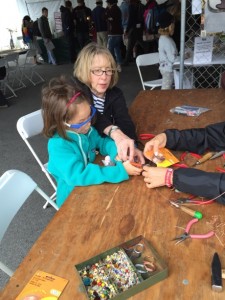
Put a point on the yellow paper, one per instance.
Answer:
(43, 286)
(163, 159)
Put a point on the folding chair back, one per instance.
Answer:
(14, 75)
(29, 126)
(3, 82)
(144, 60)
(15, 188)
(28, 68)
(12, 59)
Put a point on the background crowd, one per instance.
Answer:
(125, 29)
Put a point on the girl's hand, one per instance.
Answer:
(159, 141)
(154, 177)
(131, 170)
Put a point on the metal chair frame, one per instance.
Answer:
(13, 72)
(29, 126)
(3, 82)
(28, 68)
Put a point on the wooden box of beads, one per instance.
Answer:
(122, 271)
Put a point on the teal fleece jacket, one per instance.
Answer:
(71, 162)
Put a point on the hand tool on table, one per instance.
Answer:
(217, 154)
(216, 277)
(190, 200)
(204, 158)
(146, 136)
(195, 214)
(223, 273)
(186, 234)
(139, 165)
(221, 170)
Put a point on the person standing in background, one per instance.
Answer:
(28, 36)
(167, 49)
(46, 34)
(69, 28)
(124, 7)
(135, 28)
(82, 18)
(99, 19)
(174, 8)
(115, 31)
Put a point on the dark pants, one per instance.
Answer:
(72, 47)
(83, 39)
(135, 36)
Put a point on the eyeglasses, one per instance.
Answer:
(78, 126)
(100, 72)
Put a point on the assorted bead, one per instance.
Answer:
(109, 277)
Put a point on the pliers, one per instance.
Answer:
(186, 234)
(146, 136)
(191, 201)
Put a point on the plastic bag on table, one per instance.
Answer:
(188, 110)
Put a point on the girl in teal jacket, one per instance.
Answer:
(73, 142)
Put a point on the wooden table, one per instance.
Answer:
(96, 218)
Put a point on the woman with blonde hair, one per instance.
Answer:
(96, 73)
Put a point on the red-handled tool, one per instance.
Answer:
(186, 234)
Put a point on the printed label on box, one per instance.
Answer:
(43, 286)
(164, 158)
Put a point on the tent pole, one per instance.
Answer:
(27, 8)
(182, 42)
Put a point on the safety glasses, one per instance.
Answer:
(79, 125)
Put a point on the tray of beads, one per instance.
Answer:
(122, 271)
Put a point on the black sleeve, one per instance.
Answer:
(197, 140)
(200, 183)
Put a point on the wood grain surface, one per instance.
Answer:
(96, 218)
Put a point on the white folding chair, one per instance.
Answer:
(13, 73)
(29, 126)
(28, 68)
(15, 188)
(144, 60)
(3, 82)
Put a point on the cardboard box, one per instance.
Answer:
(134, 258)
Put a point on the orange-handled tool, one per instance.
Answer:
(204, 158)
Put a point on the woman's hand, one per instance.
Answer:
(159, 141)
(126, 148)
(154, 177)
(131, 170)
